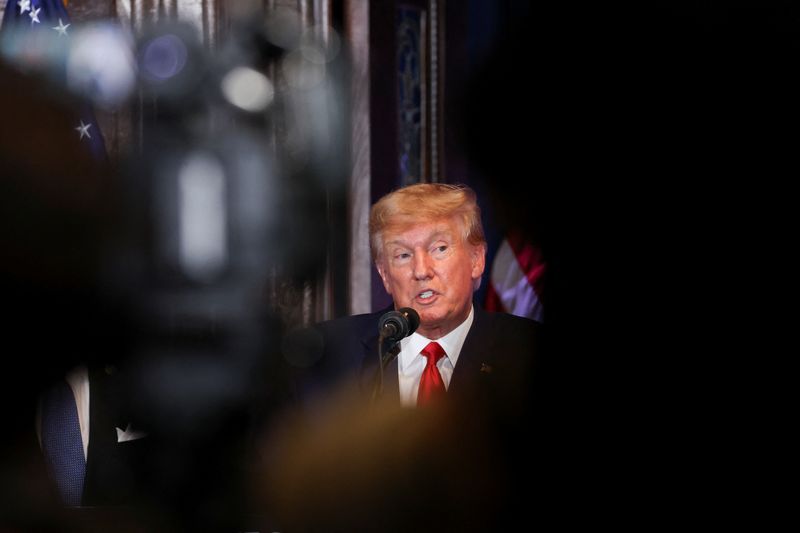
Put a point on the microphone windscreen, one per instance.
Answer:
(413, 319)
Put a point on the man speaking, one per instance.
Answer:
(429, 248)
(436, 434)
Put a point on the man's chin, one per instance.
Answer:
(430, 321)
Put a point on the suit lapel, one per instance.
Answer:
(475, 356)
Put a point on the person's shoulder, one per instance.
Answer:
(360, 322)
(507, 321)
(330, 345)
(516, 320)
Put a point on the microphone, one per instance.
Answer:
(393, 326)
(396, 325)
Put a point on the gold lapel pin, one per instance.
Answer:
(486, 368)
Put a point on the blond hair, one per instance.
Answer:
(423, 202)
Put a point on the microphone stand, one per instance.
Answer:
(394, 325)
(383, 360)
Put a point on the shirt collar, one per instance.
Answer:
(411, 346)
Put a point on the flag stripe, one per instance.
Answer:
(511, 285)
(493, 302)
(529, 258)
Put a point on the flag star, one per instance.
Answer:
(24, 5)
(61, 28)
(83, 129)
(34, 15)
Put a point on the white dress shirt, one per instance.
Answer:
(411, 362)
(78, 380)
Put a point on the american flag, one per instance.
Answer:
(35, 35)
(516, 278)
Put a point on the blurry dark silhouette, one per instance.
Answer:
(220, 209)
(155, 274)
(58, 214)
(638, 148)
(61, 212)
(386, 468)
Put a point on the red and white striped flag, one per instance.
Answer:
(515, 279)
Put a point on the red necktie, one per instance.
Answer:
(431, 385)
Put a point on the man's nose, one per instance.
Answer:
(422, 266)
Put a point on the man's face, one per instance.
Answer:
(430, 268)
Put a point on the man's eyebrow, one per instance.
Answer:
(445, 234)
(434, 237)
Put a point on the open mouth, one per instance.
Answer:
(425, 295)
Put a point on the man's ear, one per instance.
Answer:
(478, 260)
(382, 273)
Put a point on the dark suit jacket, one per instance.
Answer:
(496, 363)
(482, 426)
(113, 468)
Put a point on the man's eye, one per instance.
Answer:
(403, 255)
(441, 248)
